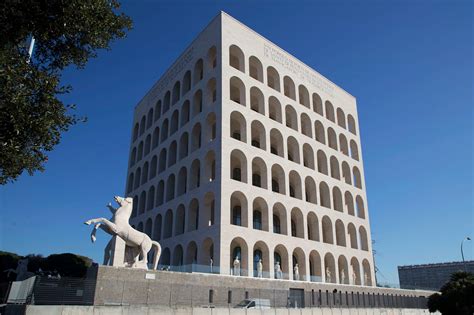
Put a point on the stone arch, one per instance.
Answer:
(329, 265)
(207, 252)
(343, 270)
(260, 214)
(360, 207)
(237, 91)
(289, 88)
(174, 124)
(212, 57)
(147, 145)
(279, 219)
(196, 137)
(170, 186)
(180, 220)
(186, 82)
(330, 111)
(172, 153)
(293, 150)
(303, 96)
(197, 104)
(299, 258)
(315, 273)
(276, 143)
(340, 233)
(367, 272)
(151, 199)
(291, 117)
(239, 209)
(258, 135)
(168, 226)
(351, 231)
(185, 109)
(164, 130)
(239, 249)
(257, 100)
(349, 201)
(313, 226)
(238, 126)
(238, 166)
(332, 139)
(236, 58)
(183, 146)
(141, 207)
(198, 73)
(255, 68)
(273, 78)
(346, 173)
(260, 251)
(176, 93)
(317, 104)
(160, 193)
(158, 110)
(295, 188)
(211, 91)
(157, 227)
(322, 162)
(327, 230)
(278, 179)
(182, 181)
(364, 243)
(166, 102)
(310, 190)
(324, 195)
(308, 156)
(210, 167)
(297, 223)
(306, 126)
(165, 258)
(209, 212)
(259, 173)
(341, 118)
(193, 215)
(354, 150)
(335, 172)
(191, 254)
(319, 132)
(178, 259)
(357, 177)
(343, 144)
(355, 272)
(156, 137)
(280, 254)
(195, 175)
(274, 109)
(337, 199)
(351, 124)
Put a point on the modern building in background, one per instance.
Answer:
(430, 276)
(242, 151)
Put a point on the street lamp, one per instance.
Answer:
(462, 253)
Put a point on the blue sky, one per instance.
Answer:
(409, 64)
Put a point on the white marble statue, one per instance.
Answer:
(296, 271)
(328, 275)
(354, 276)
(236, 266)
(211, 264)
(366, 278)
(343, 276)
(260, 269)
(21, 270)
(278, 273)
(138, 244)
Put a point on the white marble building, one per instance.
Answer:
(240, 149)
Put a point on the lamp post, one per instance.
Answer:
(462, 253)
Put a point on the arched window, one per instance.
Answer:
(291, 118)
(276, 143)
(367, 273)
(138, 173)
(182, 181)
(364, 244)
(211, 127)
(212, 57)
(174, 122)
(130, 183)
(210, 167)
(351, 231)
(186, 82)
(279, 219)
(142, 125)
(308, 156)
(209, 214)
(140, 151)
(341, 118)
(324, 195)
(239, 208)
(295, 185)
(322, 162)
(211, 91)
(178, 256)
(238, 127)
(176, 92)
(157, 228)
(327, 230)
(238, 166)
(304, 96)
(330, 111)
(340, 233)
(197, 103)
(183, 146)
(319, 131)
(360, 207)
(357, 178)
(195, 175)
(310, 190)
(337, 199)
(315, 266)
(158, 110)
(343, 144)
(160, 193)
(351, 124)
(255, 68)
(170, 185)
(343, 270)
(164, 130)
(349, 201)
(166, 102)
(198, 72)
(141, 207)
(289, 87)
(145, 173)
(332, 139)
(306, 127)
(346, 173)
(149, 118)
(317, 104)
(156, 137)
(259, 173)
(313, 227)
(293, 150)
(162, 161)
(185, 113)
(151, 199)
(237, 91)
(274, 109)
(354, 150)
(135, 132)
(193, 217)
(334, 168)
(257, 220)
(278, 179)
(133, 157)
(236, 58)
(196, 137)
(179, 221)
(273, 78)
(257, 101)
(258, 135)
(297, 223)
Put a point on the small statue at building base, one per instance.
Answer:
(328, 275)
(278, 273)
(138, 244)
(260, 269)
(236, 266)
(343, 276)
(296, 271)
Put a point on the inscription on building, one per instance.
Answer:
(297, 69)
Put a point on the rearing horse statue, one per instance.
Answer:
(118, 225)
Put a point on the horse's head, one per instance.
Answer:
(123, 202)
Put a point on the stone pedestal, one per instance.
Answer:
(117, 255)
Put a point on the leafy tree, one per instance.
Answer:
(457, 296)
(67, 32)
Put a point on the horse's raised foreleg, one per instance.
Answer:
(109, 225)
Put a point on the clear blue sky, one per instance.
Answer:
(409, 63)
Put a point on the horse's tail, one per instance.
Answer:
(157, 255)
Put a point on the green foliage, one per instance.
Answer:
(67, 32)
(457, 296)
(66, 264)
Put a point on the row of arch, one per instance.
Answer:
(312, 266)
(290, 183)
(170, 126)
(185, 218)
(176, 151)
(279, 220)
(308, 128)
(292, 150)
(185, 180)
(237, 60)
(180, 89)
